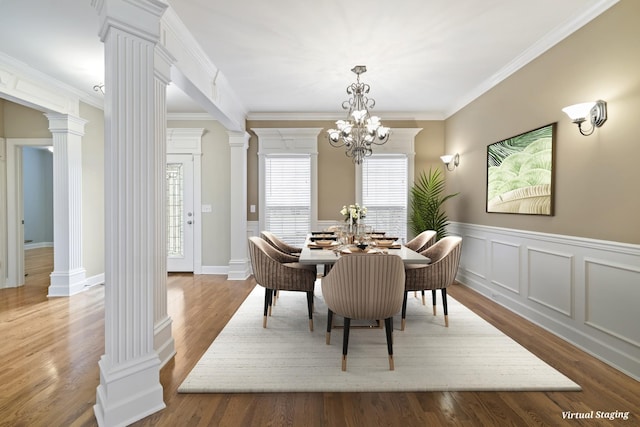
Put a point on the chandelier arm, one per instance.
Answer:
(381, 141)
(337, 144)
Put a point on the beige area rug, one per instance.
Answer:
(468, 355)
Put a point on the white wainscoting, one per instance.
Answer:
(583, 290)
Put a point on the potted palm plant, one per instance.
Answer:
(427, 199)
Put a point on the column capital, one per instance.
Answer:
(239, 139)
(136, 17)
(66, 123)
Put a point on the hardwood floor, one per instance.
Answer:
(51, 347)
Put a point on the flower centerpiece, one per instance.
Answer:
(353, 213)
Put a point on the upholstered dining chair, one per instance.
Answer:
(277, 271)
(422, 241)
(439, 274)
(280, 244)
(367, 287)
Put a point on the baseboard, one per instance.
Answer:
(37, 245)
(98, 279)
(214, 269)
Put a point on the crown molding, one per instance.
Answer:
(23, 84)
(541, 46)
(385, 116)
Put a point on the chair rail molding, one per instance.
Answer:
(583, 290)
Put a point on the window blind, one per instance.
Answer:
(288, 197)
(384, 193)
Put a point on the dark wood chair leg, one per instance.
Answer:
(444, 307)
(404, 310)
(310, 309)
(388, 326)
(345, 342)
(327, 269)
(433, 300)
(267, 304)
(422, 293)
(329, 325)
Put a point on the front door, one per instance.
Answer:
(180, 213)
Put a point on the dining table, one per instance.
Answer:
(317, 251)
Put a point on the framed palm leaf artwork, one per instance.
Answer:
(520, 173)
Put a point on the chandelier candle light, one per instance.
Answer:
(360, 130)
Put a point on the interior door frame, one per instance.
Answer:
(15, 214)
(189, 141)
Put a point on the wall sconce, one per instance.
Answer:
(449, 158)
(596, 112)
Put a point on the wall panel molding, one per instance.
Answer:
(505, 265)
(604, 309)
(582, 290)
(474, 256)
(550, 279)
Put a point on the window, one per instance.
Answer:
(287, 193)
(384, 193)
(288, 165)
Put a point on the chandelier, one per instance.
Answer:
(360, 130)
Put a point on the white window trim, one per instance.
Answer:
(283, 141)
(401, 141)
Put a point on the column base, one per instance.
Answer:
(67, 283)
(129, 392)
(163, 341)
(239, 269)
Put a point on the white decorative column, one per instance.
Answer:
(68, 276)
(163, 340)
(239, 268)
(130, 386)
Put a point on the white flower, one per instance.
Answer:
(353, 212)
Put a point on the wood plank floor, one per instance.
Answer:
(51, 347)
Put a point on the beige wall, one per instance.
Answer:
(24, 122)
(336, 172)
(216, 184)
(93, 190)
(596, 176)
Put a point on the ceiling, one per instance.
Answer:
(425, 60)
